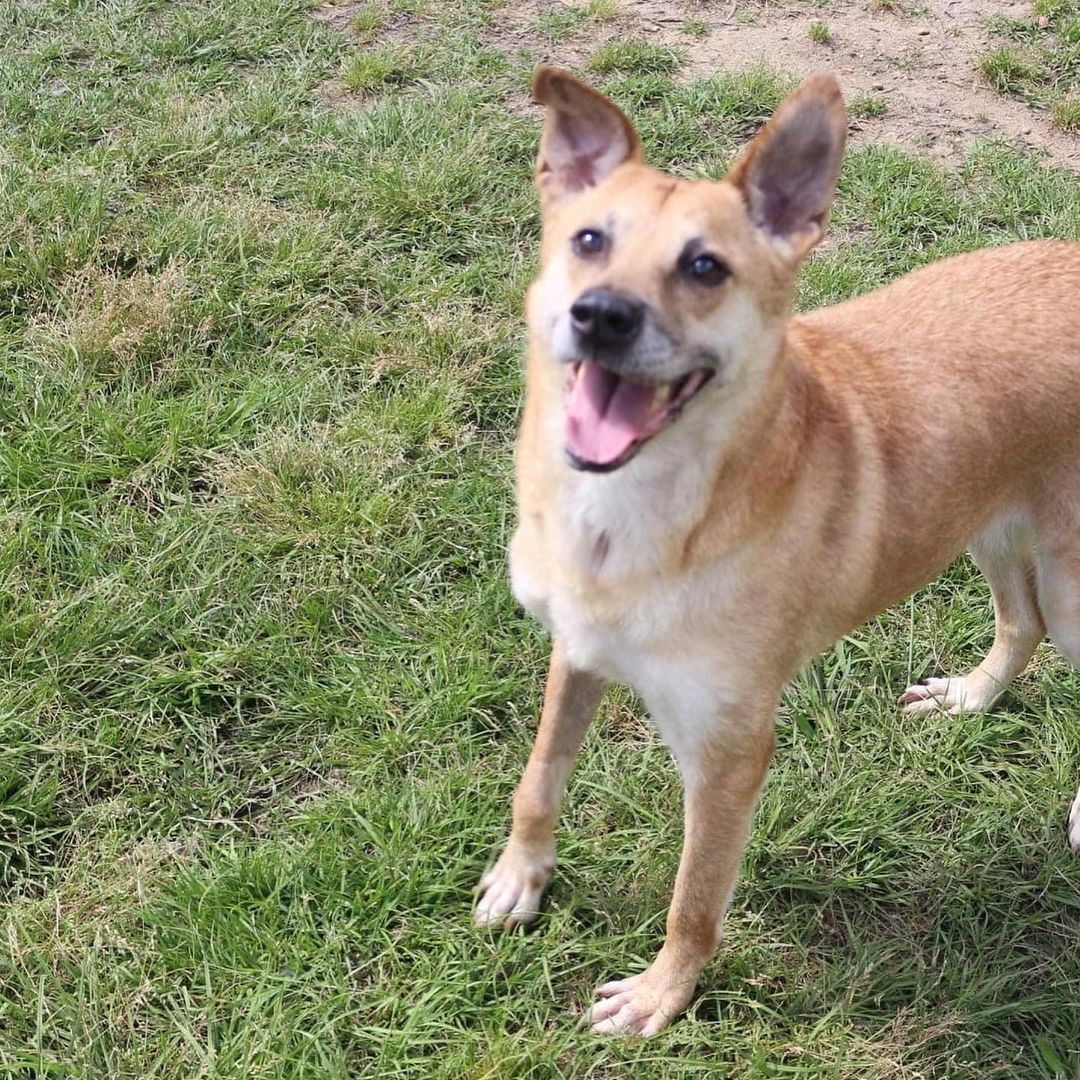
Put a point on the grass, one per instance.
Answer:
(367, 22)
(819, 33)
(1039, 60)
(602, 10)
(368, 69)
(1008, 69)
(265, 691)
(636, 57)
(560, 22)
(867, 106)
(1066, 113)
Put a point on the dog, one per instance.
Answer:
(711, 491)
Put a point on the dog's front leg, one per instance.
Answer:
(722, 774)
(514, 885)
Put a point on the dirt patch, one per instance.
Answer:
(920, 60)
(924, 67)
(338, 16)
(391, 25)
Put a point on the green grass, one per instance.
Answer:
(1009, 69)
(265, 691)
(602, 10)
(557, 22)
(367, 22)
(1040, 59)
(368, 69)
(637, 57)
(867, 106)
(819, 33)
(1066, 113)
(560, 22)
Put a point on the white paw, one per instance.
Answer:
(512, 888)
(944, 695)
(1074, 825)
(641, 1005)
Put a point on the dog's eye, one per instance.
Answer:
(589, 242)
(706, 270)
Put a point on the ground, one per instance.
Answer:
(918, 60)
(265, 691)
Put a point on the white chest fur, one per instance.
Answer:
(597, 569)
(601, 581)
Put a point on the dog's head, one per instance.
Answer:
(658, 294)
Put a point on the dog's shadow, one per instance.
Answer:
(971, 955)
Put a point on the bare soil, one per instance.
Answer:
(922, 61)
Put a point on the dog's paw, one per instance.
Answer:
(512, 888)
(955, 695)
(641, 1005)
(1074, 825)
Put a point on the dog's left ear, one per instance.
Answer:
(586, 137)
(788, 174)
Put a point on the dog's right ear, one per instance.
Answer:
(586, 137)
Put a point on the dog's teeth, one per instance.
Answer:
(660, 395)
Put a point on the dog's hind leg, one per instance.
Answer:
(1058, 578)
(513, 887)
(1004, 553)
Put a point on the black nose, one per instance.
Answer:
(606, 319)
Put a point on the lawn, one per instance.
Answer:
(1040, 61)
(266, 693)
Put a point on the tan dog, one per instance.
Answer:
(711, 492)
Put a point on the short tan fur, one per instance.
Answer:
(821, 468)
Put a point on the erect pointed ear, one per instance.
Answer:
(585, 139)
(787, 175)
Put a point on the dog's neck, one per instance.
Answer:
(749, 473)
(698, 493)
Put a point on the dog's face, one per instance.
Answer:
(656, 294)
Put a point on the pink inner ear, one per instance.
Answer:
(790, 180)
(582, 150)
(794, 192)
(794, 178)
(584, 145)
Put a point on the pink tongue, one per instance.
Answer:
(606, 414)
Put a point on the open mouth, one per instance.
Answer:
(610, 417)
